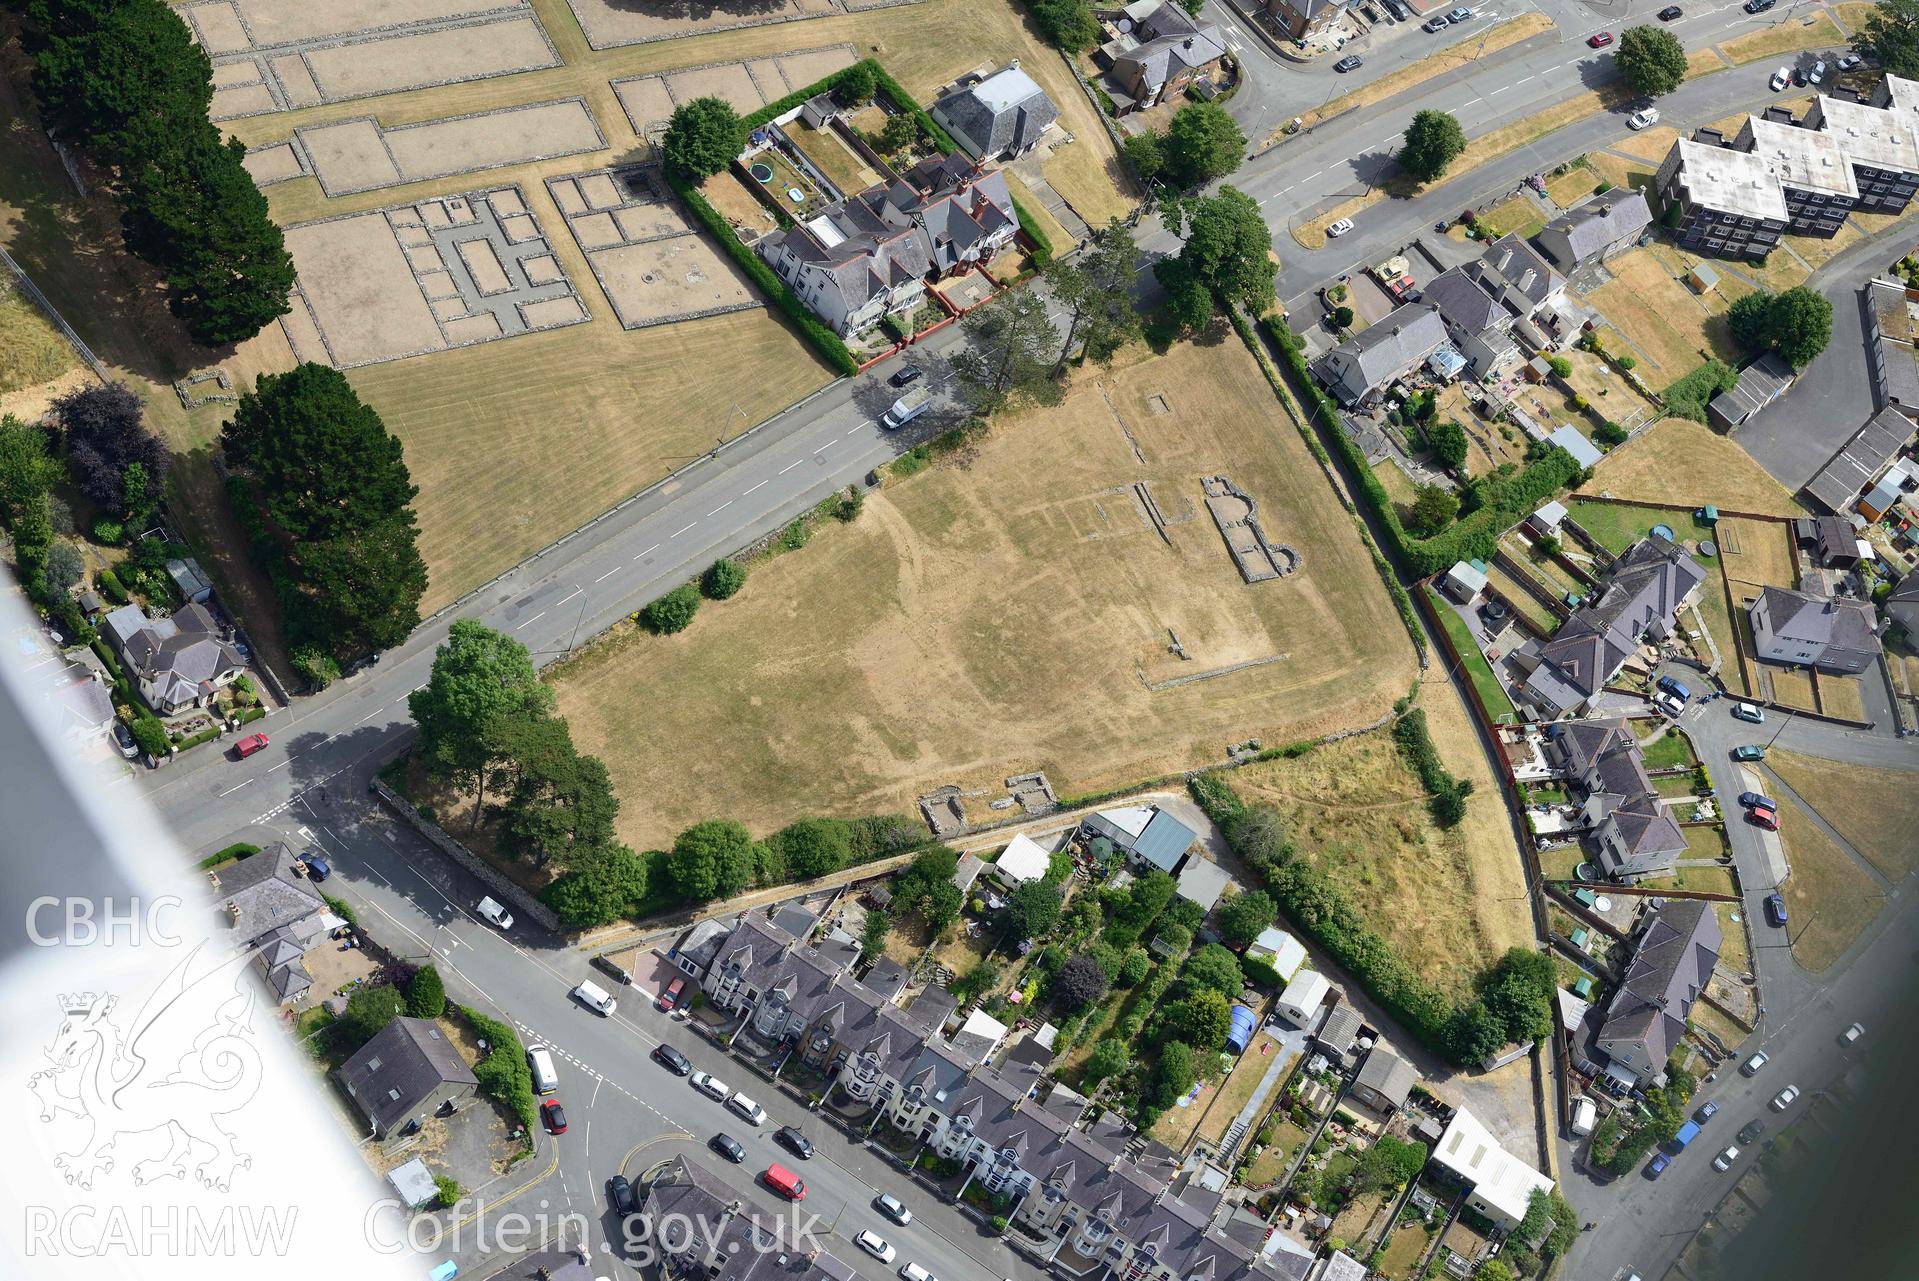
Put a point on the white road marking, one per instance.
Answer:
(236, 787)
(761, 485)
(608, 574)
(649, 551)
(577, 591)
(536, 618)
(790, 466)
(281, 765)
(683, 528)
(823, 448)
(722, 507)
(370, 715)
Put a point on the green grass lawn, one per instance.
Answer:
(1617, 526)
(1675, 787)
(1670, 751)
(1559, 864)
(1491, 692)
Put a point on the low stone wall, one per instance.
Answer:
(497, 883)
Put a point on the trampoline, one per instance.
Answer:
(761, 171)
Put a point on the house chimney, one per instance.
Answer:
(233, 912)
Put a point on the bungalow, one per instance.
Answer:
(176, 662)
(1826, 632)
(1303, 997)
(406, 1073)
(1022, 861)
(1385, 1080)
(1146, 833)
(1597, 229)
(999, 117)
(870, 255)
(1359, 370)
(1647, 1016)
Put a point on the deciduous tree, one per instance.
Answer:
(601, 886)
(27, 468)
(1203, 143)
(702, 137)
(710, 860)
(1890, 37)
(1434, 508)
(722, 580)
(1651, 59)
(1227, 257)
(1433, 141)
(1096, 289)
(814, 846)
(1080, 983)
(1244, 915)
(480, 678)
(1011, 351)
(1212, 968)
(1108, 1059)
(1030, 911)
(1201, 1020)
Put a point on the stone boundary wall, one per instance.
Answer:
(512, 894)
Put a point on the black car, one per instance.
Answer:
(1671, 13)
(797, 1142)
(672, 1060)
(1751, 1131)
(907, 374)
(1351, 62)
(729, 1147)
(1799, 77)
(1759, 6)
(619, 1193)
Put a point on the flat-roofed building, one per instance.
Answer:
(1882, 144)
(1813, 172)
(1721, 202)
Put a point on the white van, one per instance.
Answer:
(1585, 1116)
(748, 1109)
(907, 408)
(540, 1060)
(595, 998)
(492, 911)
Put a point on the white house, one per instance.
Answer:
(1280, 950)
(1303, 997)
(1500, 1184)
(1022, 861)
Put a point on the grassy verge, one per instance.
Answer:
(1816, 32)
(1502, 36)
(1876, 810)
(1478, 670)
(1829, 899)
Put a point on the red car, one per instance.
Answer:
(670, 999)
(249, 745)
(1763, 818)
(1600, 40)
(553, 1116)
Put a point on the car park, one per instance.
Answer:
(1757, 800)
(1671, 13)
(907, 374)
(1752, 1065)
(795, 1142)
(1749, 712)
(553, 1117)
(1705, 1112)
(1724, 1160)
(619, 1195)
(1749, 752)
(249, 745)
(1852, 1034)
(1818, 73)
(1439, 23)
(1781, 78)
(672, 1060)
(1759, 816)
(747, 1110)
(1351, 62)
(1657, 1166)
(670, 999)
(1785, 1098)
(491, 910)
(1339, 228)
(1776, 910)
(1599, 39)
(711, 1086)
(875, 1244)
(893, 1208)
(729, 1147)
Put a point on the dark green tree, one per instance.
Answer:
(1147, 898)
(1134, 968)
(1890, 37)
(873, 934)
(898, 133)
(1068, 24)
(1080, 983)
(814, 846)
(1433, 141)
(858, 83)
(1108, 1059)
(480, 679)
(1797, 323)
(1146, 153)
(1171, 1077)
(1203, 143)
(1096, 290)
(722, 580)
(27, 469)
(1030, 911)
(1390, 1163)
(1651, 59)
(1212, 968)
(1449, 442)
(601, 885)
(703, 137)
(672, 612)
(982, 978)
(1434, 508)
(426, 994)
(1011, 351)
(65, 567)
(367, 1011)
(560, 804)
(360, 591)
(1227, 257)
(1201, 1020)
(118, 78)
(710, 860)
(1244, 915)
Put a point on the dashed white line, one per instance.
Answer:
(683, 528)
(577, 591)
(790, 466)
(828, 445)
(761, 485)
(280, 766)
(536, 618)
(370, 715)
(722, 507)
(608, 574)
(236, 787)
(649, 551)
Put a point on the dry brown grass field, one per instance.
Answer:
(1672, 328)
(1448, 901)
(1876, 810)
(1006, 613)
(1681, 461)
(1827, 891)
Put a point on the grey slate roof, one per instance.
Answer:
(1515, 273)
(1367, 362)
(1830, 538)
(261, 894)
(1760, 383)
(1668, 972)
(404, 1062)
(1337, 1034)
(1465, 305)
(1824, 621)
(180, 656)
(1386, 1074)
(1005, 112)
(1643, 590)
(1604, 220)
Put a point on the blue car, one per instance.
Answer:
(1674, 688)
(1776, 910)
(1657, 1166)
(318, 869)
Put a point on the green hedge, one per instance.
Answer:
(1416, 746)
(248, 714)
(1042, 244)
(827, 343)
(237, 850)
(1687, 397)
(503, 1074)
(109, 584)
(106, 654)
(1504, 500)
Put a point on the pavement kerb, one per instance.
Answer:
(553, 1163)
(671, 1136)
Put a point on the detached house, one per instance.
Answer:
(1359, 370)
(1605, 770)
(997, 118)
(176, 662)
(406, 1073)
(1826, 632)
(1160, 49)
(1303, 18)
(270, 908)
(1508, 291)
(1596, 230)
(1648, 1013)
(1640, 597)
(864, 257)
